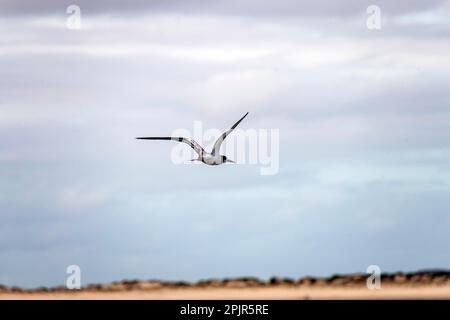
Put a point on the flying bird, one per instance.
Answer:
(213, 158)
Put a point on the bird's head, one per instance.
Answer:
(225, 159)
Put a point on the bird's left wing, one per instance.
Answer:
(194, 145)
(219, 141)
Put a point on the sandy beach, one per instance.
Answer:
(277, 292)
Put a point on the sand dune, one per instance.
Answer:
(418, 285)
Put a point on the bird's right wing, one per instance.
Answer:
(219, 141)
(194, 145)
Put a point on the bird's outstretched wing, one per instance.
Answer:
(219, 141)
(194, 145)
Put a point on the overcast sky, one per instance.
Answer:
(363, 117)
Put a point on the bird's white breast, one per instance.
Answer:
(211, 160)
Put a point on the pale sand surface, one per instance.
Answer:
(269, 292)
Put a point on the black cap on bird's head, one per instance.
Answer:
(225, 159)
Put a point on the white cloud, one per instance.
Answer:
(81, 198)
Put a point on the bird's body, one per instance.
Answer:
(213, 158)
